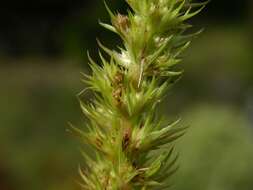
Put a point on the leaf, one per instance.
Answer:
(108, 27)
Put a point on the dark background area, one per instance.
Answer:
(43, 47)
(56, 28)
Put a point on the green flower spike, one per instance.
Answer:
(133, 149)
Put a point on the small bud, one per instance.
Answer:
(121, 23)
(117, 94)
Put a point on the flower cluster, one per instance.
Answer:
(133, 149)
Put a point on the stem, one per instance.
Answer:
(133, 149)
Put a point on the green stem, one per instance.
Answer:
(133, 148)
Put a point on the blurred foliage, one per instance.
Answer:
(217, 151)
(36, 152)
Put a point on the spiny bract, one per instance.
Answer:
(132, 148)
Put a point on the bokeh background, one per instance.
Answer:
(43, 48)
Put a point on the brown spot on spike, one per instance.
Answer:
(126, 138)
(121, 22)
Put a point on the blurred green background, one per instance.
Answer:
(43, 48)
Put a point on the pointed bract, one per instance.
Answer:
(132, 149)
